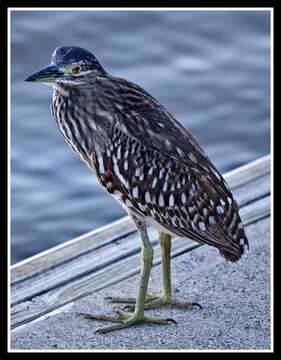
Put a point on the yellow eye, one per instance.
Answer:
(76, 69)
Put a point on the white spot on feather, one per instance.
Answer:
(120, 176)
(142, 207)
(183, 209)
(128, 203)
(117, 194)
(101, 165)
(126, 153)
(222, 202)
(191, 208)
(126, 165)
(192, 157)
(171, 200)
(161, 200)
(119, 152)
(167, 144)
(193, 226)
(135, 192)
(180, 152)
(119, 106)
(192, 189)
(220, 210)
(202, 226)
(147, 196)
(196, 217)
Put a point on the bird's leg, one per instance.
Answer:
(165, 297)
(124, 319)
(165, 246)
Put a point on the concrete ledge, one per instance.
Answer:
(235, 299)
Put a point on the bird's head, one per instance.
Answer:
(70, 65)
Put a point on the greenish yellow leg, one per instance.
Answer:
(165, 297)
(123, 319)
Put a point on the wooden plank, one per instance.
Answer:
(110, 275)
(90, 262)
(72, 248)
(253, 190)
(104, 256)
(248, 172)
(112, 232)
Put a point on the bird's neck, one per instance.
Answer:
(82, 118)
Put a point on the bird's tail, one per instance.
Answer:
(231, 256)
(231, 244)
(235, 251)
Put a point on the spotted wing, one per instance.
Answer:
(180, 198)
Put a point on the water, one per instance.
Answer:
(210, 69)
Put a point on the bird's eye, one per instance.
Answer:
(76, 69)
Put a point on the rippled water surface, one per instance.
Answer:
(210, 69)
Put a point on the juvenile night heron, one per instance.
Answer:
(149, 162)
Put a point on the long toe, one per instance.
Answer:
(98, 317)
(130, 300)
(121, 300)
(185, 304)
(133, 320)
(123, 320)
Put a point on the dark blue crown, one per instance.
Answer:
(65, 55)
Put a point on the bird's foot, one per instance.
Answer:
(124, 320)
(154, 301)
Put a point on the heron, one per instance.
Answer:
(149, 163)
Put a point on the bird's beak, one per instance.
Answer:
(48, 74)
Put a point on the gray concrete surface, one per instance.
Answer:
(235, 315)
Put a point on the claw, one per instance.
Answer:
(172, 320)
(196, 304)
(85, 315)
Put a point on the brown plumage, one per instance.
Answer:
(149, 162)
(141, 154)
(171, 183)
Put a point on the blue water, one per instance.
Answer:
(210, 69)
